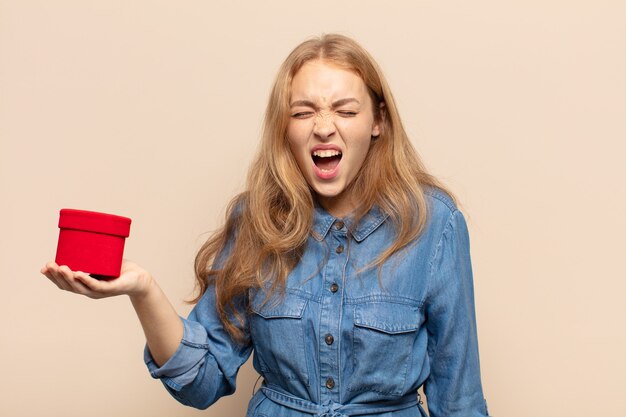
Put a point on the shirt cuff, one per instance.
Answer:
(183, 366)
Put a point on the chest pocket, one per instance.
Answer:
(277, 332)
(383, 339)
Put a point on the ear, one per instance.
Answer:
(380, 117)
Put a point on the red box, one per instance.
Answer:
(92, 242)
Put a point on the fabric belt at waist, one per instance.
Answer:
(336, 409)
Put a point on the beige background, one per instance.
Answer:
(152, 110)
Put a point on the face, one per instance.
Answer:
(330, 130)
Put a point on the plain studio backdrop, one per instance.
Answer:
(152, 110)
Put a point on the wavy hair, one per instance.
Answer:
(267, 225)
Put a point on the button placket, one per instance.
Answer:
(331, 313)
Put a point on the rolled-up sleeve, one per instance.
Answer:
(205, 365)
(453, 388)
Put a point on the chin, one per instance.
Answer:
(328, 192)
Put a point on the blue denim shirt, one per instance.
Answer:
(347, 340)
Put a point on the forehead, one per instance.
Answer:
(322, 80)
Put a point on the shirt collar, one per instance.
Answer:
(323, 221)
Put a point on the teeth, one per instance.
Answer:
(326, 153)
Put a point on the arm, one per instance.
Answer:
(194, 358)
(454, 386)
(159, 320)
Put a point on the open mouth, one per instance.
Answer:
(326, 160)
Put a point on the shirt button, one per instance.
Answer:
(339, 249)
(339, 225)
(329, 339)
(330, 383)
(334, 287)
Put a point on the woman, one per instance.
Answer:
(344, 265)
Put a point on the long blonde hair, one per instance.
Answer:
(267, 225)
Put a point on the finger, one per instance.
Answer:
(92, 284)
(65, 271)
(72, 280)
(53, 277)
(48, 267)
(64, 276)
(44, 269)
(80, 288)
(55, 281)
(49, 270)
(86, 289)
(65, 279)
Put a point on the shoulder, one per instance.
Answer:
(445, 222)
(441, 206)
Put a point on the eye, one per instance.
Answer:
(302, 114)
(347, 113)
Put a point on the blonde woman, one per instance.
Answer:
(344, 265)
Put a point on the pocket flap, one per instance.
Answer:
(387, 317)
(290, 307)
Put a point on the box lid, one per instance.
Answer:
(94, 222)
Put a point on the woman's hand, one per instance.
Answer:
(133, 281)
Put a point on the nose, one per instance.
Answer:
(324, 126)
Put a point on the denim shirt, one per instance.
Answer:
(345, 339)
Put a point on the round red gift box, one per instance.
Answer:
(92, 242)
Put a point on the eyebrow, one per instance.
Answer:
(337, 103)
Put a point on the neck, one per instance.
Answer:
(339, 206)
